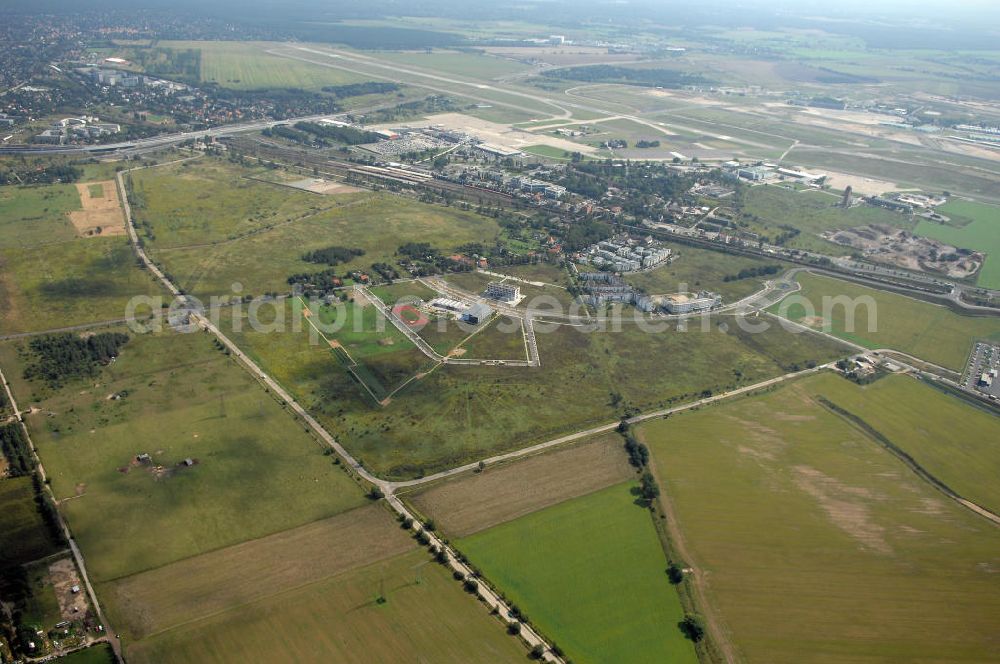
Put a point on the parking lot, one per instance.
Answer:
(981, 374)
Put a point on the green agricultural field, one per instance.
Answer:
(248, 66)
(426, 615)
(813, 543)
(51, 278)
(625, 611)
(26, 537)
(99, 654)
(456, 414)
(261, 244)
(694, 269)
(927, 331)
(951, 440)
(811, 212)
(979, 229)
(255, 470)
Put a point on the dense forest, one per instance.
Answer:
(59, 357)
(332, 255)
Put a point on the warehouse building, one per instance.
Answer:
(477, 313)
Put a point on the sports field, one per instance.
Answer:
(51, 278)
(590, 574)
(972, 226)
(953, 441)
(815, 544)
(425, 617)
(255, 470)
(928, 331)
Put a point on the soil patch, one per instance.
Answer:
(102, 214)
(72, 605)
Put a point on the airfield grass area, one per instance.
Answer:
(51, 278)
(626, 610)
(261, 256)
(971, 226)
(255, 470)
(247, 66)
(954, 442)
(928, 331)
(466, 65)
(426, 615)
(814, 543)
(25, 535)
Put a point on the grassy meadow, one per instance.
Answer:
(591, 575)
(814, 544)
(248, 66)
(259, 240)
(255, 471)
(51, 278)
(456, 414)
(695, 269)
(928, 331)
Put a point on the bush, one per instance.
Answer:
(692, 628)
